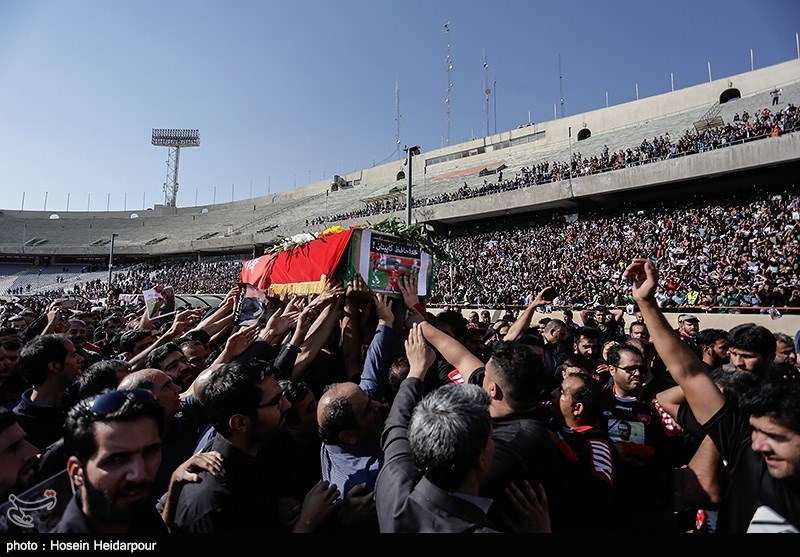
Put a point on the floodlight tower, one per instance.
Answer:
(174, 139)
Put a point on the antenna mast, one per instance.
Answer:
(561, 84)
(486, 91)
(449, 64)
(397, 100)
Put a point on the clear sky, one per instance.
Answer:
(288, 93)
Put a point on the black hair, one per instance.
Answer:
(754, 338)
(79, 437)
(234, 389)
(38, 353)
(708, 337)
(776, 399)
(520, 373)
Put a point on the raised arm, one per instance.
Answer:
(357, 299)
(686, 368)
(523, 322)
(451, 350)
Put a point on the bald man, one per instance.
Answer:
(184, 419)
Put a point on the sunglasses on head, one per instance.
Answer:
(112, 401)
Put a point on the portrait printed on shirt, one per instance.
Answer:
(622, 431)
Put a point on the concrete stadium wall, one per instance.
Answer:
(788, 324)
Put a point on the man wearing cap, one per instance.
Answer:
(688, 327)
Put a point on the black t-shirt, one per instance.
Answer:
(752, 491)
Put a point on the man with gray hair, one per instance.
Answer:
(436, 459)
(554, 334)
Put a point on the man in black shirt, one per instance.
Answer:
(760, 441)
(246, 407)
(114, 443)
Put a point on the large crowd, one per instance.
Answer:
(731, 252)
(351, 412)
(762, 124)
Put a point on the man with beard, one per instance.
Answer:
(77, 334)
(247, 408)
(644, 478)
(114, 443)
(759, 437)
(17, 456)
(713, 344)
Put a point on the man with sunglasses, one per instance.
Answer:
(114, 443)
(644, 478)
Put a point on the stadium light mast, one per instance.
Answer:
(174, 139)
(410, 152)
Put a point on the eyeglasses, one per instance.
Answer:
(274, 402)
(631, 369)
(12, 345)
(110, 402)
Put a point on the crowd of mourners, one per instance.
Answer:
(719, 253)
(761, 124)
(727, 251)
(353, 411)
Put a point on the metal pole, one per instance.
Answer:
(111, 259)
(67, 201)
(606, 99)
(637, 91)
(672, 80)
(494, 85)
(408, 190)
(752, 66)
(709, 72)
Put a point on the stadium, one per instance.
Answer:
(676, 213)
(521, 174)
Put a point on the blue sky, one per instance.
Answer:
(287, 93)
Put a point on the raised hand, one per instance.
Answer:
(644, 276)
(329, 294)
(409, 285)
(239, 341)
(545, 296)
(383, 305)
(358, 293)
(420, 355)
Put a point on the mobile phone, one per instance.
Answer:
(68, 303)
(549, 294)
